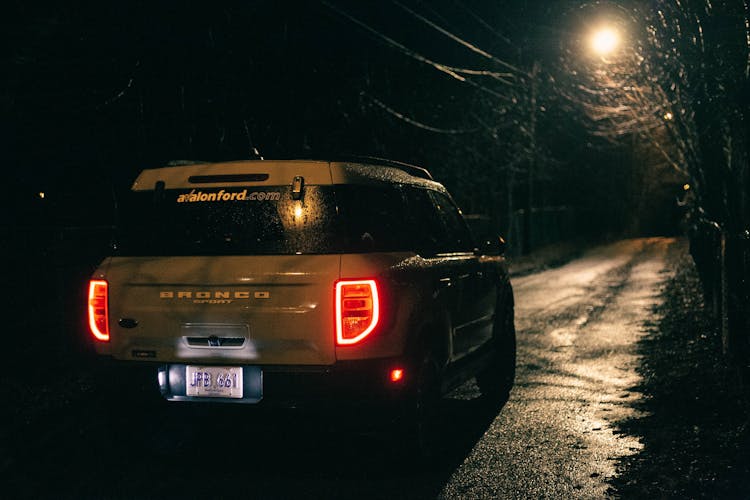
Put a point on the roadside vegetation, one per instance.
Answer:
(694, 425)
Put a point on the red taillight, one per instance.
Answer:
(397, 375)
(357, 310)
(99, 310)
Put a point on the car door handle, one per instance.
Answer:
(445, 282)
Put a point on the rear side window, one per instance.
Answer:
(458, 236)
(438, 225)
(374, 218)
(428, 230)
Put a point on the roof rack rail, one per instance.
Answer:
(414, 170)
(406, 167)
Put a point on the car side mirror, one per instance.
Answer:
(494, 246)
(501, 245)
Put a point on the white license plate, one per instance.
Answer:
(213, 381)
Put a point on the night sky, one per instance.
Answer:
(97, 91)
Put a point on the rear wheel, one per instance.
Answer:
(419, 428)
(496, 379)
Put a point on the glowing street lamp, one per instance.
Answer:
(604, 41)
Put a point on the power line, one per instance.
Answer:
(414, 122)
(484, 23)
(459, 40)
(451, 71)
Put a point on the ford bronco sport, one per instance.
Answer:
(295, 282)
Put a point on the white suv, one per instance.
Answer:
(295, 282)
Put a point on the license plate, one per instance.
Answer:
(213, 381)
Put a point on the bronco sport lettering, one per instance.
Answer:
(213, 295)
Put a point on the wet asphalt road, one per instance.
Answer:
(555, 438)
(577, 328)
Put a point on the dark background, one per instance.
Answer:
(95, 92)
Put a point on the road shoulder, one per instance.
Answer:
(693, 420)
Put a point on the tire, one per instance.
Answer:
(496, 380)
(419, 429)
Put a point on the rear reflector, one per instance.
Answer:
(357, 310)
(99, 310)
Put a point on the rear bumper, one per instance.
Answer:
(364, 383)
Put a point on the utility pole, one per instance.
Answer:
(527, 222)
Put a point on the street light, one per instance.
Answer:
(604, 41)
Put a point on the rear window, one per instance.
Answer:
(265, 221)
(229, 221)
